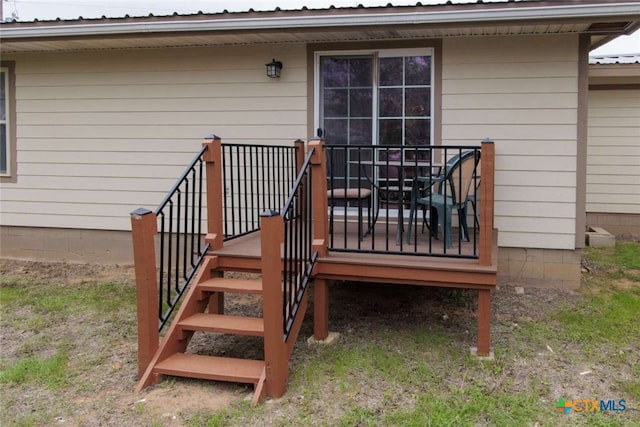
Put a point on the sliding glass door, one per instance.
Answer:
(378, 98)
(374, 98)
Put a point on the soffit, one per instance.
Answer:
(231, 38)
(603, 19)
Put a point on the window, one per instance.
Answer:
(7, 121)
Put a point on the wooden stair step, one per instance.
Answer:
(224, 324)
(225, 284)
(211, 368)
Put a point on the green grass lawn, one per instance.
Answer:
(69, 358)
(586, 345)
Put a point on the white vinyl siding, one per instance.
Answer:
(522, 92)
(613, 152)
(103, 133)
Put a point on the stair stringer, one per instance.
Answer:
(176, 340)
(297, 323)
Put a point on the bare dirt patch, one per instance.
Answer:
(102, 361)
(106, 356)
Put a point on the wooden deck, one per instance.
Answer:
(383, 255)
(409, 266)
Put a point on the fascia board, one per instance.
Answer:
(566, 12)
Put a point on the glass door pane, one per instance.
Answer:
(346, 112)
(404, 121)
(404, 109)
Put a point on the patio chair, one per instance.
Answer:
(344, 195)
(451, 192)
(472, 197)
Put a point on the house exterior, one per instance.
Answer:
(104, 114)
(613, 152)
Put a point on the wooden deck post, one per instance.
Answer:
(300, 156)
(486, 202)
(275, 351)
(215, 191)
(485, 255)
(319, 196)
(484, 322)
(320, 309)
(320, 237)
(144, 227)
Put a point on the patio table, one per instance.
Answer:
(401, 167)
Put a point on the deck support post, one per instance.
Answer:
(215, 191)
(144, 227)
(216, 300)
(484, 322)
(487, 173)
(320, 309)
(485, 255)
(275, 350)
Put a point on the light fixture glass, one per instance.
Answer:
(273, 68)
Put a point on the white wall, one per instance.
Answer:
(522, 92)
(102, 133)
(613, 152)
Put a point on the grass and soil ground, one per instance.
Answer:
(68, 355)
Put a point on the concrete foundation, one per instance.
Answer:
(516, 266)
(624, 226)
(541, 268)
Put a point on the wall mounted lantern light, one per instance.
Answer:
(273, 69)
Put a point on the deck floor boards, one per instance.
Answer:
(405, 263)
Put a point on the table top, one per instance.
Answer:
(397, 163)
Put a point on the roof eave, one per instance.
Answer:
(298, 21)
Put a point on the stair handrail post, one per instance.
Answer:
(319, 196)
(300, 153)
(144, 227)
(300, 156)
(215, 190)
(487, 180)
(275, 353)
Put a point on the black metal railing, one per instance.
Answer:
(256, 178)
(181, 218)
(298, 255)
(382, 199)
